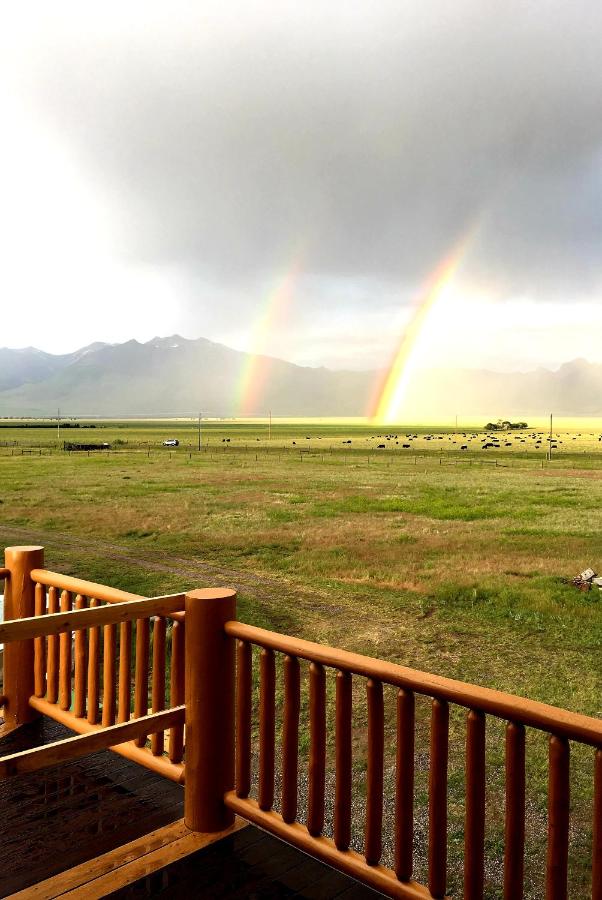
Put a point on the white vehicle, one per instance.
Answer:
(172, 442)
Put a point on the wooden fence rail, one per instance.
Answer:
(87, 671)
(98, 668)
(517, 712)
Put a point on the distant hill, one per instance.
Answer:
(176, 376)
(30, 365)
(169, 376)
(575, 389)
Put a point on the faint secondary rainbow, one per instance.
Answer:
(390, 393)
(255, 373)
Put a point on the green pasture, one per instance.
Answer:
(451, 561)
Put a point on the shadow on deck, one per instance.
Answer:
(68, 815)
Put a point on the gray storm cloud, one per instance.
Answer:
(372, 135)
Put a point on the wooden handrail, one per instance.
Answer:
(4, 573)
(552, 719)
(83, 744)
(88, 588)
(57, 623)
(79, 586)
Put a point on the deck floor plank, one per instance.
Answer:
(228, 870)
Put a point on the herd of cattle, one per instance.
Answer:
(467, 441)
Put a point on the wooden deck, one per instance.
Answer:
(247, 865)
(104, 826)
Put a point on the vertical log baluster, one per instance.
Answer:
(65, 657)
(290, 738)
(109, 674)
(244, 711)
(39, 652)
(374, 776)
(93, 662)
(125, 672)
(81, 663)
(438, 798)
(474, 832)
(317, 749)
(176, 690)
(343, 760)
(53, 651)
(597, 830)
(141, 673)
(267, 728)
(514, 853)
(158, 695)
(404, 785)
(558, 819)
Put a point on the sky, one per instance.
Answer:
(284, 177)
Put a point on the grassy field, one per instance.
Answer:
(448, 560)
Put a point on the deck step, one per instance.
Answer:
(125, 865)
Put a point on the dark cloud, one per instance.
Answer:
(372, 135)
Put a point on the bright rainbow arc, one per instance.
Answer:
(255, 372)
(386, 408)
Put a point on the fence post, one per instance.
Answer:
(19, 603)
(209, 694)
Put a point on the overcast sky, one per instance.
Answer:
(164, 165)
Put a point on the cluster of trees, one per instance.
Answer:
(505, 425)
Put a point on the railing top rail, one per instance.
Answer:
(79, 586)
(86, 588)
(509, 707)
(56, 623)
(4, 573)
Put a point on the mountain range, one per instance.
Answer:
(176, 376)
(169, 376)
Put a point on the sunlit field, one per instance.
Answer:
(397, 543)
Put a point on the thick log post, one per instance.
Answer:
(19, 603)
(209, 692)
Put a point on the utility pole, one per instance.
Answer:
(199, 432)
(270, 427)
(550, 441)
(58, 426)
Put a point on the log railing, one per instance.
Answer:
(94, 658)
(519, 714)
(86, 683)
(114, 669)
